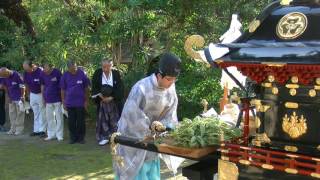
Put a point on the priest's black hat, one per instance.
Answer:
(169, 65)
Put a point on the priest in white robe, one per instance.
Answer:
(151, 99)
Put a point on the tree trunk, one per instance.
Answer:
(14, 10)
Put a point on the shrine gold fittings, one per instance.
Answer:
(291, 105)
(253, 26)
(257, 122)
(271, 78)
(312, 93)
(191, 42)
(261, 139)
(244, 162)
(293, 92)
(294, 79)
(291, 171)
(316, 175)
(291, 148)
(259, 107)
(227, 170)
(294, 126)
(318, 81)
(270, 64)
(275, 90)
(292, 86)
(285, 2)
(266, 85)
(267, 166)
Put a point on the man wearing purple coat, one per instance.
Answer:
(33, 90)
(74, 94)
(50, 88)
(16, 92)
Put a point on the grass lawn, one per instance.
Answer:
(21, 160)
(31, 158)
(25, 157)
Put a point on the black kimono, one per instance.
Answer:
(117, 93)
(108, 113)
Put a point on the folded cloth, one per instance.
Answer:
(27, 106)
(210, 113)
(172, 162)
(21, 106)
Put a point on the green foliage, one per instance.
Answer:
(12, 43)
(202, 132)
(89, 30)
(195, 83)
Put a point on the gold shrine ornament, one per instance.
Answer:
(291, 148)
(227, 170)
(194, 41)
(285, 2)
(253, 26)
(292, 25)
(312, 93)
(275, 90)
(294, 79)
(293, 92)
(294, 126)
(271, 78)
(318, 81)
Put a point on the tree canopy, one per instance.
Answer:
(138, 30)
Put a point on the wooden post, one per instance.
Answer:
(224, 99)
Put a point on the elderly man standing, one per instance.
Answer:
(108, 88)
(16, 92)
(74, 94)
(50, 87)
(31, 79)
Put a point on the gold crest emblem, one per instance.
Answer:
(292, 25)
(294, 126)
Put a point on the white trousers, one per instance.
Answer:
(16, 118)
(55, 120)
(39, 113)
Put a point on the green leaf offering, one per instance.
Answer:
(202, 132)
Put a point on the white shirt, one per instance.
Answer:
(107, 80)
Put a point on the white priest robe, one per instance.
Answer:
(145, 104)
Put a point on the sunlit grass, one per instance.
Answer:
(21, 159)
